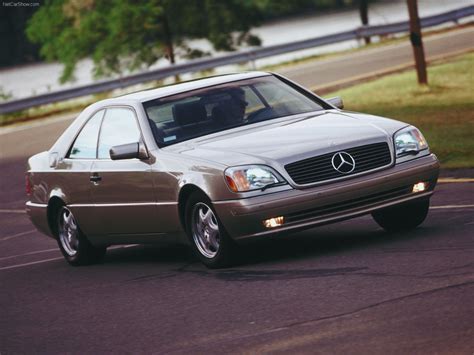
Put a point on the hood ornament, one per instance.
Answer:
(343, 162)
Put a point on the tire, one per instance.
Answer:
(75, 247)
(210, 242)
(402, 217)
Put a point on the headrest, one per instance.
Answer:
(190, 112)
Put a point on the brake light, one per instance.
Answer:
(28, 186)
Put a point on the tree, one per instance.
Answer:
(130, 35)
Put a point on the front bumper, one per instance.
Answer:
(306, 208)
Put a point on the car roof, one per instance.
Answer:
(146, 95)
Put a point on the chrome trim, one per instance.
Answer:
(346, 177)
(343, 162)
(123, 204)
(33, 204)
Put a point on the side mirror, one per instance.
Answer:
(336, 101)
(128, 151)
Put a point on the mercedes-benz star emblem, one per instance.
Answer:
(343, 162)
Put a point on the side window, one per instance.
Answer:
(118, 127)
(85, 145)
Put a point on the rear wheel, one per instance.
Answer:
(209, 240)
(402, 217)
(75, 247)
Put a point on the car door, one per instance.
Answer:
(73, 172)
(122, 190)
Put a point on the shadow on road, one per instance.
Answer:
(325, 241)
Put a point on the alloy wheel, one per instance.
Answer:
(68, 232)
(205, 230)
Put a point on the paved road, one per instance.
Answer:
(348, 287)
(324, 72)
(345, 288)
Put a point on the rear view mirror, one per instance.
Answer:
(336, 101)
(128, 151)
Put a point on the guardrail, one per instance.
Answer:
(239, 57)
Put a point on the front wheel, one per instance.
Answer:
(209, 240)
(402, 217)
(75, 247)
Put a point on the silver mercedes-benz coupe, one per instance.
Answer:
(216, 161)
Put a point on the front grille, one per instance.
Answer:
(316, 169)
(361, 202)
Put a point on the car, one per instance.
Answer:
(218, 161)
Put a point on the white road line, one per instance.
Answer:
(17, 235)
(11, 211)
(27, 264)
(47, 260)
(451, 206)
(455, 180)
(31, 253)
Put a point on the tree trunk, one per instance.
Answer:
(168, 40)
(364, 15)
(169, 48)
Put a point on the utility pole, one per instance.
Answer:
(417, 42)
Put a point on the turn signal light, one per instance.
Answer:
(274, 222)
(420, 187)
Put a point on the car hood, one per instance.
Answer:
(286, 140)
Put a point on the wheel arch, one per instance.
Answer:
(184, 193)
(54, 204)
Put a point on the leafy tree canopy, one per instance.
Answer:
(121, 34)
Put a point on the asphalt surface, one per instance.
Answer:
(378, 59)
(344, 288)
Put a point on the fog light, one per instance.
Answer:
(274, 222)
(420, 187)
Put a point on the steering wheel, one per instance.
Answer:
(259, 114)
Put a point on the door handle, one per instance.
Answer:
(95, 178)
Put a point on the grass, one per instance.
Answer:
(443, 110)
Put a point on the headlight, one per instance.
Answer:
(252, 177)
(409, 141)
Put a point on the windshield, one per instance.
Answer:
(199, 112)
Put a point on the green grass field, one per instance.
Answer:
(443, 111)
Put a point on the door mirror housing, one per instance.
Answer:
(128, 151)
(336, 101)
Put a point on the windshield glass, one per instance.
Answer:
(199, 112)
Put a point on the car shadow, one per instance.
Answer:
(313, 243)
(142, 253)
(319, 242)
